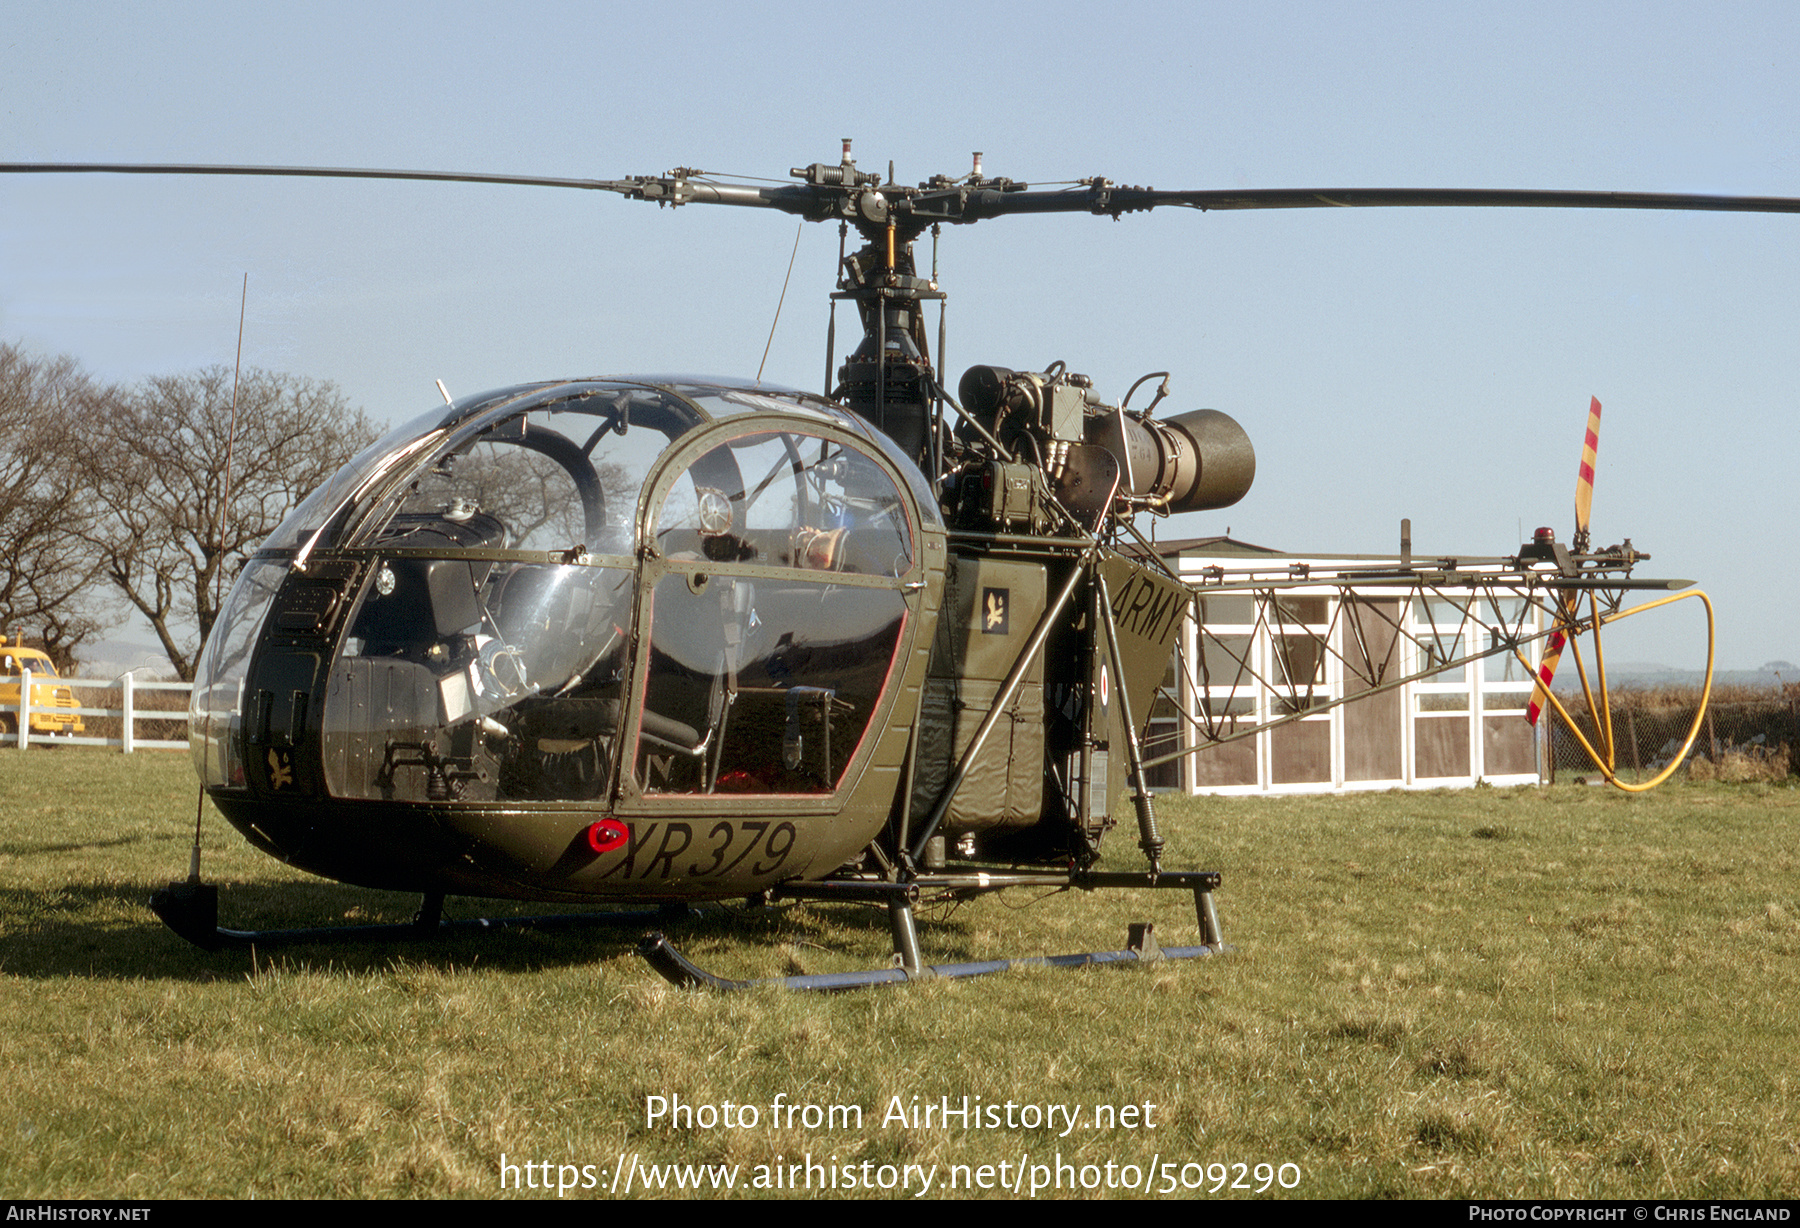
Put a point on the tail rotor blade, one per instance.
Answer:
(1584, 506)
(1540, 694)
(1584, 480)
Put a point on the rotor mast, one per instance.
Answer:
(888, 378)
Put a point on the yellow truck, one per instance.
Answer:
(52, 706)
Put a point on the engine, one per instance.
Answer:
(1092, 456)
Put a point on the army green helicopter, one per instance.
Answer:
(660, 640)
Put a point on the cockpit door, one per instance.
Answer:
(775, 565)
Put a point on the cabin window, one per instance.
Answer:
(774, 625)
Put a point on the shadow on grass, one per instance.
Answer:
(107, 931)
(32, 850)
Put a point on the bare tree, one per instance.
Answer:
(155, 458)
(534, 496)
(48, 583)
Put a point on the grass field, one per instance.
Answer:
(1526, 993)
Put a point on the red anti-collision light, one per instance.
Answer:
(607, 835)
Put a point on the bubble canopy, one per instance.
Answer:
(661, 586)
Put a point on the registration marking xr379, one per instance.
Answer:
(724, 848)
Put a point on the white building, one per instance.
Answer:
(1337, 657)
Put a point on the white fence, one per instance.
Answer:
(17, 716)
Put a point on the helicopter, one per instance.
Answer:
(659, 640)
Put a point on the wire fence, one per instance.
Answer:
(1744, 735)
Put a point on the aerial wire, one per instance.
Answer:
(219, 534)
(780, 301)
(231, 434)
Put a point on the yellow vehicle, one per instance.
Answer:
(52, 707)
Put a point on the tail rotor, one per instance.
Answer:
(1570, 624)
(1567, 612)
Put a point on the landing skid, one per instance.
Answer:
(1141, 945)
(192, 910)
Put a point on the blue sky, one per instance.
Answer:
(1387, 363)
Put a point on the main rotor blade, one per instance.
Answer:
(299, 172)
(676, 190)
(1110, 199)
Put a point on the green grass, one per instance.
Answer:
(1527, 993)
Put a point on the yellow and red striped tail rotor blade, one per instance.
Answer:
(1540, 694)
(1584, 505)
(1584, 481)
